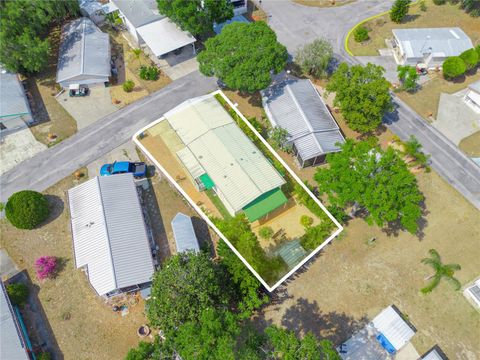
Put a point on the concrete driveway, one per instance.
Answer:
(455, 119)
(125, 152)
(88, 109)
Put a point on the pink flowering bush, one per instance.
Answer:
(45, 267)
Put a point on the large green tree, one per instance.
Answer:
(196, 16)
(24, 27)
(378, 181)
(243, 56)
(362, 94)
(315, 57)
(472, 7)
(399, 10)
(187, 284)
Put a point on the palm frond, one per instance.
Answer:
(452, 267)
(435, 255)
(454, 282)
(433, 284)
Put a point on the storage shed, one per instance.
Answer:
(184, 233)
(394, 331)
(84, 54)
(110, 238)
(295, 105)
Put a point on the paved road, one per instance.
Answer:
(296, 25)
(88, 144)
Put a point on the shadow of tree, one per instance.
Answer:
(305, 316)
(56, 206)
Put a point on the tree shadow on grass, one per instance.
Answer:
(56, 206)
(36, 322)
(305, 316)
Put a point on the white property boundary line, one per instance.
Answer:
(212, 225)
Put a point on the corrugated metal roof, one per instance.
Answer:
(12, 96)
(239, 170)
(185, 238)
(441, 42)
(139, 12)
(109, 234)
(172, 37)
(475, 86)
(393, 327)
(12, 346)
(84, 51)
(190, 162)
(296, 106)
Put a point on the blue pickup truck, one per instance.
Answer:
(138, 169)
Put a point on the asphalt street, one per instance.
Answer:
(54, 164)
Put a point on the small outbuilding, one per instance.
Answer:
(295, 105)
(429, 46)
(110, 239)
(84, 54)
(435, 353)
(184, 234)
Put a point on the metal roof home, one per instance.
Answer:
(12, 342)
(145, 23)
(185, 238)
(430, 45)
(14, 109)
(84, 54)
(109, 235)
(239, 171)
(296, 106)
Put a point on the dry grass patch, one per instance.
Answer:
(435, 16)
(84, 327)
(41, 90)
(351, 280)
(471, 145)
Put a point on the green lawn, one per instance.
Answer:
(218, 203)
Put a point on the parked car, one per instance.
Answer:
(138, 169)
(77, 90)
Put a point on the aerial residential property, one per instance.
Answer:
(84, 55)
(240, 179)
(430, 46)
(110, 240)
(296, 106)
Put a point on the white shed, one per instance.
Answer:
(396, 330)
(184, 233)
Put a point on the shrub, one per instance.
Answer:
(408, 76)
(266, 232)
(439, 2)
(477, 49)
(44, 356)
(315, 235)
(17, 293)
(315, 58)
(46, 267)
(399, 10)
(149, 73)
(279, 139)
(26, 209)
(306, 221)
(470, 57)
(361, 34)
(128, 86)
(423, 6)
(453, 67)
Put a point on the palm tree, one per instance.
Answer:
(137, 53)
(441, 271)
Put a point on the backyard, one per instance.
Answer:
(425, 100)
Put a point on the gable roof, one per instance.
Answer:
(440, 42)
(12, 344)
(184, 234)
(240, 171)
(139, 12)
(84, 51)
(295, 105)
(109, 234)
(13, 101)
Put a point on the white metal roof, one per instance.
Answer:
(84, 52)
(163, 36)
(393, 327)
(13, 102)
(190, 162)
(109, 235)
(139, 12)
(239, 170)
(441, 42)
(296, 106)
(185, 238)
(12, 346)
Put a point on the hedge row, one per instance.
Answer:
(456, 66)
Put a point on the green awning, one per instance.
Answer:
(207, 181)
(264, 204)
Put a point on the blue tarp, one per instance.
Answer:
(386, 344)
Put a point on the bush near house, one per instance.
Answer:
(17, 293)
(470, 57)
(26, 209)
(46, 267)
(128, 86)
(149, 73)
(361, 34)
(399, 10)
(266, 232)
(454, 67)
